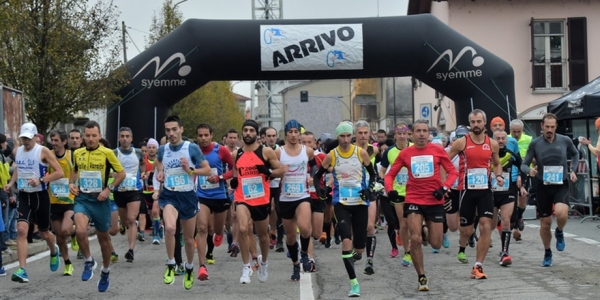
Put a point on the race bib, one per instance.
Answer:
(455, 184)
(553, 175)
(205, 184)
(311, 188)
(294, 186)
(350, 193)
(23, 181)
(253, 187)
(60, 188)
(90, 181)
(506, 185)
(477, 179)
(129, 183)
(402, 177)
(178, 180)
(421, 166)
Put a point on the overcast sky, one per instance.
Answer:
(137, 15)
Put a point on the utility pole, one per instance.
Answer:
(124, 32)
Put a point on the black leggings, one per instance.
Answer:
(392, 219)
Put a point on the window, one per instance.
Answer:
(550, 61)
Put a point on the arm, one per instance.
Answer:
(12, 181)
(317, 177)
(528, 159)
(574, 155)
(385, 163)
(457, 147)
(496, 163)
(391, 175)
(158, 165)
(369, 166)
(48, 157)
(143, 170)
(225, 157)
(271, 157)
(449, 170)
(197, 160)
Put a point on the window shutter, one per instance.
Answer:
(577, 46)
(534, 83)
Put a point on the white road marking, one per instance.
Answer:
(37, 256)
(306, 289)
(588, 241)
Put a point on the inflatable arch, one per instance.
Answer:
(200, 51)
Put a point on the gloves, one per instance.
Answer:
(234, 183)
(322, 193)
(393, 195)
(439, 193)
(264, 170)
(368, 194)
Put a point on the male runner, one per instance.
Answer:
(295, 201)
(523, 140)
(212, 195)
(148, 180)
(230, 220)
(476, 194)
(552, 170)
(453, 200)
(128, 194)
(253, 163)
(177, 165)
(317, 206)
(424, 192)
(276, 230)
(32, 161)
(89, 184)
(351, 197)
(75, 140)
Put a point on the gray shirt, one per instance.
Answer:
(551, 154)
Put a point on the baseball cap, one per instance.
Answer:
(461, 131)
(28, 130)
(325, 136)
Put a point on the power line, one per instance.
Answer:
(129, 27)
(130, 38)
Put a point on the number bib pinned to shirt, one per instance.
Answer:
(293, 186)
(178, 180)
(205, 184)
(506, 185)
(60, 188)
(23, 181)
(402, 177)
(350, 192)
(129, 183)
(90, 181)
(421, 166)
(477, 179)
(553, 175)
(253, 187)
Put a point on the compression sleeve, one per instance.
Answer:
(372, 174)
(317, 178)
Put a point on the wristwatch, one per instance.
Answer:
(191, 172)
(500, 176)
(111, 187)
(42, 180)
(445, 189)
(220, 177)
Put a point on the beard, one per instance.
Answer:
(477, 130)
(249, 140)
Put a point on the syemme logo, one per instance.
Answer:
(184, 70)
(477, 61)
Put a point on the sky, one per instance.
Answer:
(137, 15)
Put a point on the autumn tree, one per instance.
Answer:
(63, 55)
(214, 103)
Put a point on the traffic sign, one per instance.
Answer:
(425, 112)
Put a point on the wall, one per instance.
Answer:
(11, 108)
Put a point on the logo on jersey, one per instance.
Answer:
(477, 61)
(158, 80)
(486, 147)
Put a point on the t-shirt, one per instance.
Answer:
(551, 158)
(94, 166)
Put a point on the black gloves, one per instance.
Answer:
(264, 170)
(234, 183)
(368, 194)
(393, 195)
(440, 193)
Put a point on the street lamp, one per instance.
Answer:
(174, 6)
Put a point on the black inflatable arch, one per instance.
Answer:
(200, 51)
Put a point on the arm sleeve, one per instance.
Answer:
(225, 157)
(448, 166)
(372, 174)
(317, 178)
(391, 175)
(384, 158)
(528, 157)
(196, 155)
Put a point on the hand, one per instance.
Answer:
(573, 177)
(440, 193)
(322, 193)
(212, 179)
(7, 188)
(533, 171)
(12, 199)
(523, 191)
(33, 181)
(155, 195)
(160, 177)
(499, 181)
(585, 142)
(393, 195)
(309, 181)
(264, 170)
(234, 183)
(103, 195)
(185, 165)
(114, 174)
(519, 181)
(144, 176)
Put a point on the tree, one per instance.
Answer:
(214, 103)
(62, 54)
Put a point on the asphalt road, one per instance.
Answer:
(574, 274)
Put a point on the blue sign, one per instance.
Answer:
(425, 111)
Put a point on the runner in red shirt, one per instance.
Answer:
(424, 192)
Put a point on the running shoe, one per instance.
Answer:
(54, 260)
(2, 272)
(547, 262)
(471, 241)
(114, 257)
(445, 241)
(246, 273)
(369, 269)
(398, 239)
(179, 270)
(505, 260)
(263, 273)
(354, 290)
(272, 241)
(516, 235)
(254, 264)
(356, 256)
(80, 254)
(217, 240)
(328, 242)
(304, 262)
(202, 273)
(155, 240)
(141, 236)
(103, 283)
(462, 258)
(323, 237)
(129, 256)
(122, 230)
(425, 241)
(406, 260)
(312, 265)
(88, 270)
(234, 250)
(74, 243)
(477, 273)
(68, 270)
(435, 251)
(296, 273)
(169, 276)
(560, 240)
(394, 253)
(20, 275)
(279, 247)
(188, 279)
(161, 232)
(423, 287)
(210, 259)
(521, 225)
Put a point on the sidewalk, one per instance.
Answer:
(36, 247)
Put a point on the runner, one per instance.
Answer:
(114, 214)
(148, 180)
(295, 201)
(452, 202)
(523, 140)
(253, 163)
(276, 230)
(351, 197)
(212, 195)
(89, 184)
(128, 194)
(552, 170)
(230, 219)
(177, 165)
(424, 192)
(75, 140)
(317, 206)
(32, 161)
(476, 194)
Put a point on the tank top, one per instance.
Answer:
(507, 167)
(131, 164)
(59, 189)
(176, 179)
(474, 172)
(148, 184)
(251, 184)
(348, 176)
(206, 189)
(402, 177)
(30, 165)
(293, 184)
